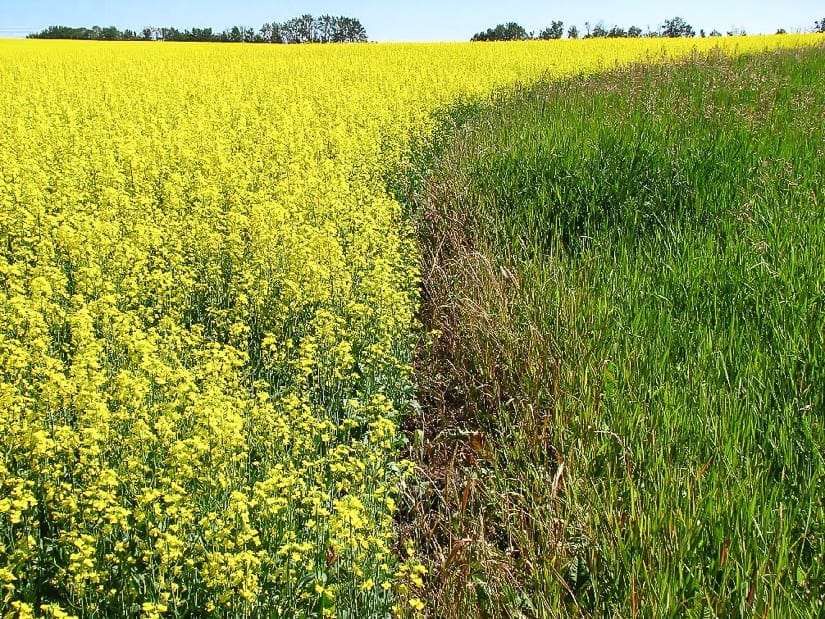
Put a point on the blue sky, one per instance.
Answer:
(408, 20)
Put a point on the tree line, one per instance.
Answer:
(303, 29)
(675, 27)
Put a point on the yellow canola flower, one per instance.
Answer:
(207, 301)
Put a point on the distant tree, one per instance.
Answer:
(288, 31)
(572, 32)
(171, 34)
(511, 31)
(554, 31)
(303, 29)
(325, 26)
(349, 30)
(702, 33)
(677, 27)
(234, 34)
(598, 31)
(634, 32)
(325, 29)
(819, 26)
(61, 32)
(715, 33)
(198, 34)
(617, 33)
(110, 33)
(271, 33)
(781, 31)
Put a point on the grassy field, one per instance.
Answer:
(623, 387)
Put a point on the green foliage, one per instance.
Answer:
(109, 33)
(515, 32)
(615, 32)
(307, 29)
(626, 275)
(677, 27)
(511, 31)
(303, 29)
(554, 31)
(599, 31)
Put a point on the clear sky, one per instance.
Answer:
(408, 20)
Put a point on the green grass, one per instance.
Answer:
(624, 399)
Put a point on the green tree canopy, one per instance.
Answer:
(511, 31)
(677, 27)
(303, 29)
(554, 31)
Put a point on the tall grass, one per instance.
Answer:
(624, 409)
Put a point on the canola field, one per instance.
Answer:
(207, 308)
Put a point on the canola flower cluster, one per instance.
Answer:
(207, 308)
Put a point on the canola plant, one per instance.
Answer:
(207, 305)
